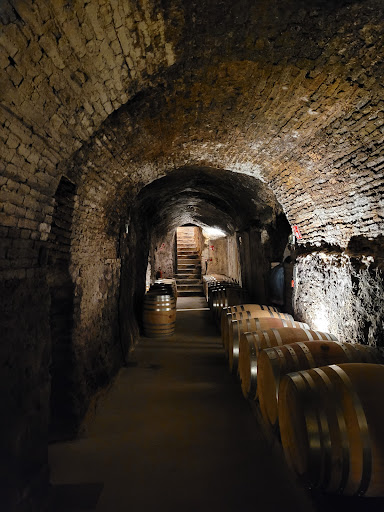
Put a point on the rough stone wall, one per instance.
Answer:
(134, 249)
(68, 66)
(299, 100)
(163, 255)
(342, 295)
(225, 257)
(234, 270)
(309, 126)
(61, 288)
(218, 253)
(25, 384)
(95, 270)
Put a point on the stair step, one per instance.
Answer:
(191, 291)
(187, 287)
(190, 282)
(189, 277)
(188, 261)
(192, 294)
(187, 254)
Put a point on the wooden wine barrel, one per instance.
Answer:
(161, 289)
(251, 343)
(250, 313)
(245, 309)
(159, 315)
(332, 424)
(274, 363)
(170, 282)
(214, 296)
(250, 325)
(221, 292)
(228, 296)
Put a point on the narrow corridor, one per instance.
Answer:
(174, 433)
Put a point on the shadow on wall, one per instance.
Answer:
(63, 424)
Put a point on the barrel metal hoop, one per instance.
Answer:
(303, 385)
(293, 354)
(159, 310)
(276, 367)
(347, 350)
(234, 353)
(266, 337)
(309, 334)
(326, 440)
(278, 337)
(257, 324)
(307, 354)
(155, 324)
(253, 365)
(235, 335)
(313, 423)
(364, 431)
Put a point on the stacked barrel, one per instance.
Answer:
(319, 396)
(159, 309)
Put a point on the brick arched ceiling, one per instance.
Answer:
(207, 197)
(115, 94)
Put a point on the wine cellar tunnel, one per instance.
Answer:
(124, 120)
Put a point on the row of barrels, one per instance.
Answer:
(321, 397)
(159, 309)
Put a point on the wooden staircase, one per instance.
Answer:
(188, 277)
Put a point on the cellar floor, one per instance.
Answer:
(174, 433)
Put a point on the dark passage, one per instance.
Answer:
(174, 433)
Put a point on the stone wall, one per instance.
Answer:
(163, 255)
(344, 295)
(25, 356)
(217, 255)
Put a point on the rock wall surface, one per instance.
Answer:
(344, 295)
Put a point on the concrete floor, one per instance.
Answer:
(174, 433)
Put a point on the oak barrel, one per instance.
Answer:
(230, 296)
(159, 315)
(251, 343)
(244, 310)
(244, 315)
(250, 325)
(332, 424)
(274, 363)
(169, 281)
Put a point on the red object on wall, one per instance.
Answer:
(296, 230)
(292, 283)
(212, 247)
